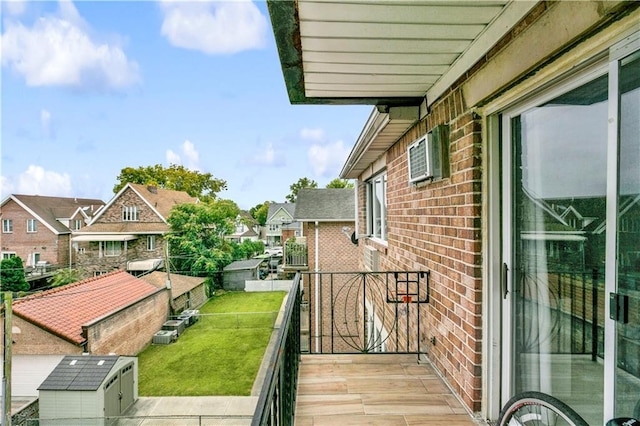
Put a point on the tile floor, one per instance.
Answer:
(389, 390)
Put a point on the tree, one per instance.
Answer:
(174, 177)
(340, 183)
(197, 244)
(260, 212)
(12, 275)
(301, 183)
(64, 277)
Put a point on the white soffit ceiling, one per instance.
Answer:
(396, 49)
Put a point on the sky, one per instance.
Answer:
(91, 87)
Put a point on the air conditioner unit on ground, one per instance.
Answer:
(164, 337)
(176, 325)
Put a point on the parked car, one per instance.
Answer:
(274, 251)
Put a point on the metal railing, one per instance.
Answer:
(276, 404)
(296, 254)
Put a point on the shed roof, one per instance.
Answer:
(325, 205)
(180, 284)
(64, 310)
(243, 264)
(79, 373)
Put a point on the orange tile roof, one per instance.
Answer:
(64, 310)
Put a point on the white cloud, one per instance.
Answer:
(47, 125)
(38, 181)
(315, 135)
(14, 7)
(214, 27)
(58, 50)
(189, 152)
(268, 156)
(327, 160)
(6, 187)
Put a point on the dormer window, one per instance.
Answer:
(130, 214)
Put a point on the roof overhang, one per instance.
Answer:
(384, 53)
(381, 130)
(103, 237)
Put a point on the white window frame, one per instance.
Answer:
(151, 242)
(113, 250)
(77, 224)
(7, 226)
(32, 226)
(8, 254)
(374, 215)
(130, 214)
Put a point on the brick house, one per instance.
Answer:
(113, 313)
(38, 228)
(479, 109)
(128, 232)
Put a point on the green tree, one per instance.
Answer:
(197, 244)
(174, 177)
(64, 277)
(301, 183)
(12, 275)
(247, 249)
(260, 212)
(340, 183)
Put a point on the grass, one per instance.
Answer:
(218, 355)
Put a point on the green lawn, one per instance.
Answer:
(218, 355)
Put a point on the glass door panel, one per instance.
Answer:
(628, 242)
(558, 242)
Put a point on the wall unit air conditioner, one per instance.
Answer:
(371, 259)
(429, 156)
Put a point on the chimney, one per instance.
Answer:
(152, 189)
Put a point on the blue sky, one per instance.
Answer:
(89, 88)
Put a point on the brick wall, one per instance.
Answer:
(336, 251)
(130, 330)
(24, 244)
(436, 226)
(33, 340)
(129, 198)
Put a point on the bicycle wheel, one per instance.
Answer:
(538, 409)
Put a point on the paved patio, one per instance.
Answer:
(387, 390)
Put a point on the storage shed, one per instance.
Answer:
(236, 273)
(87, 389)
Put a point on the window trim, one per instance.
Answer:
(151, 243)
(130, 214)
(111, 253)
(32, 226)
(7, 226)
(369, 207)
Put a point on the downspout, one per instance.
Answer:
(355, 189)
(317, 269)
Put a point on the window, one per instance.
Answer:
(7, 226)
(151, 242)
(32, 225)
(377, 206)
(8, 255)
(129, 213)
(77, 224)
(112, 248)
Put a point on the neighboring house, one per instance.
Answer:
(113, 313)
(478, 108)
(38, 229)
(279, 215)
(246, 229)
(186, 292)
(328, 223)
(129, 231)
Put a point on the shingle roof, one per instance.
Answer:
(79, 373)
(162, 199)
(243, 264)
(49, 209)
(64, 310)
(180, 284)
(274, 207)
(326, 205)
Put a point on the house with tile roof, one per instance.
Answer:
(115, 313)
(128, 233)
(38, 228)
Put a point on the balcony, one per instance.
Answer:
(296, 256)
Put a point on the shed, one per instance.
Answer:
(87, 389)
(236, 273)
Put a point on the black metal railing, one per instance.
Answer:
(276, 404)
(363, 312)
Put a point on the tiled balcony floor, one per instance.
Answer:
(381, 390)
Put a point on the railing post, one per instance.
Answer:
(594, 314)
